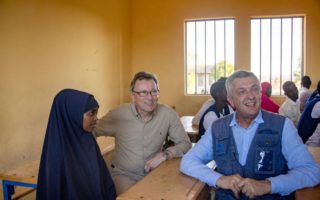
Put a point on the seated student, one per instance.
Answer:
(218, 109)
(205, 106)
(304, 92)
(314, 139)
(310, 117)
(290, 108)
(266, 102)
(258, 154)
(71, 165)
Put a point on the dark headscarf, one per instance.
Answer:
(71, 165)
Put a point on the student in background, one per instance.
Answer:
(218, 109)
(266, 102)
(205, 106)
(304, 92)
(290, 108)
(71, 165)
(140, 129)
(310, 119)
(314, 139)
(257, 153)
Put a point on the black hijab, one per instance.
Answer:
(71, 165)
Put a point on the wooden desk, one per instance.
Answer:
(26, 175)
(192, 130)
(166, 182)
(310, 193)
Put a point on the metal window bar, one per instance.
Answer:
(281, 68)
(215, 50)
(260, 46)
(205, 57)
(224, 47)
(186, 57)
(270, 24)
(195, 59)
(302, 47)
(291, 52)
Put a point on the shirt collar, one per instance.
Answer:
(134, 110)
(257, 120)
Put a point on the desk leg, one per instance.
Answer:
(8, 187)
(8, 190)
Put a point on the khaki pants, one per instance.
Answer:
(123, 180)
(122, 183)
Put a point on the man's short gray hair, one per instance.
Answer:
(142, 75)
(238, 74)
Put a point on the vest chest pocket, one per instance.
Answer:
(266, 152)
(220, 148)
(223, 157)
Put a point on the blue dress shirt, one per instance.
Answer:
(303, 170)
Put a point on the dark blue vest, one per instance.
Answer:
(264, 158)
(214, 109)
(307, 125)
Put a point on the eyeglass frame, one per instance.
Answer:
(145, 93)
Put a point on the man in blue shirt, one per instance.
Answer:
(258, 154)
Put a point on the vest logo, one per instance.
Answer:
(264, 161)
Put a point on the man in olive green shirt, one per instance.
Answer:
(140, 130)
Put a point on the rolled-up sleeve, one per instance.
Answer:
(105, 125)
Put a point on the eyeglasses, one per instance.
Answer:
(145, 93)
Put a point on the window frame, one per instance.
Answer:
(293, 74)
(206, 74)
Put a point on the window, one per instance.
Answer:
(209, 53)
(277, 50)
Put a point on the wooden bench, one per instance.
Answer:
(23, 179)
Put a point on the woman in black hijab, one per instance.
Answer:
(71, 165)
